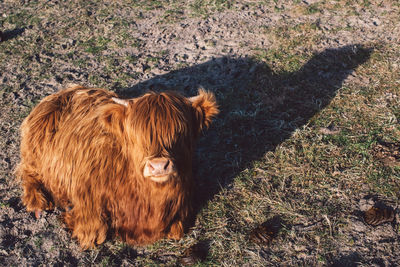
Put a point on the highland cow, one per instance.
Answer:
(121, 167)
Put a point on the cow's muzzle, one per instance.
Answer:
(158, 169)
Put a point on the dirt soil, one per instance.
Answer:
(232, 48)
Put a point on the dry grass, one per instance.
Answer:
(308, 93)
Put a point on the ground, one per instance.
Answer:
(308, 134)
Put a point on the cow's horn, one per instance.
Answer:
(120, 101)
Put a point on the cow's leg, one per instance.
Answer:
(176, 230)
(86, 225)
(35, 197)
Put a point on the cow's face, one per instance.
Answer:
(163, 129)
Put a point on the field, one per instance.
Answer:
(307, 140)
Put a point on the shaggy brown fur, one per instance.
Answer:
(85, 151)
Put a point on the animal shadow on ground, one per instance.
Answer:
(259, 108)
(10, 34)
(351, 260)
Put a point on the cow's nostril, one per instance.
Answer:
(150, 166)
(158, 167)
(166, 165)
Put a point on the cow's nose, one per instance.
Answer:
(158, 167)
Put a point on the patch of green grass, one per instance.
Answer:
(4, 205)
(148, 4)
(382, 180)
(31, 103)
(95, 45)
(281, 61)
(137, 43)
(19, 19)
(95, 80)
(38, 242)
(132, 59)
(204, 8)
(80, 62)
(152, 59)
(279, 9)
(367, 3)
(287, 57)
(312, 9)
(105, 261)
(173, 15)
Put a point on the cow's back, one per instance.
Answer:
(61, 133)
(56, 111)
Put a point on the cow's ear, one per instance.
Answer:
(112, 117)
(205, 107)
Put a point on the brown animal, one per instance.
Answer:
(115, 166)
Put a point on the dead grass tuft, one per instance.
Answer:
(309, 123)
